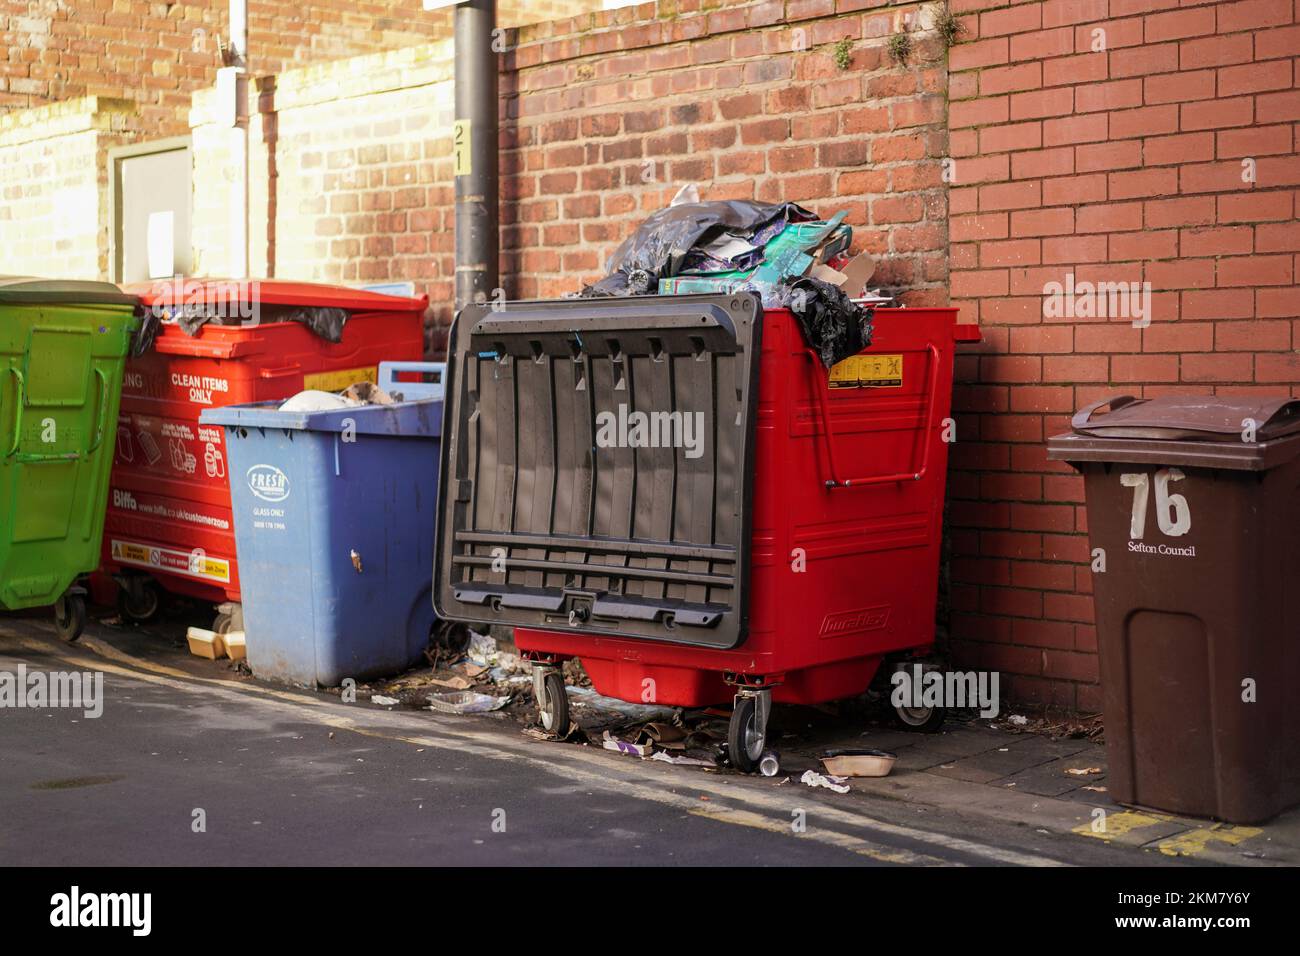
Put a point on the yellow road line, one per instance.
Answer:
(1119, 823)
(746, 818)
(1194, 842)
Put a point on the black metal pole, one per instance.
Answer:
(475, 153)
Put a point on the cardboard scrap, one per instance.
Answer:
(611, 742)
(453, 683)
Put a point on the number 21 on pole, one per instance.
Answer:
(460, 138)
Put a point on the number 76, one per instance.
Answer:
(1172, 512)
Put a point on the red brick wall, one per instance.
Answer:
(1124, 164)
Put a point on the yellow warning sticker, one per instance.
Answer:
(190, 564)
(460, 139)
(868, 371)
(340, 379)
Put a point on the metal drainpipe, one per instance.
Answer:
(475, 152)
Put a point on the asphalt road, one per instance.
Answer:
(283, 777)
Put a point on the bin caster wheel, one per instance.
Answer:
(921, 720)
(747, 733)
(70, 616)
(139, 602)
(450, 636)
(223, 623)
(552, 701)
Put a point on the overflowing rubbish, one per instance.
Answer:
(832, 324)
(466, 702)
(143, 338)
(859, 763)
(695, 238)
(830, 781)
(324, 321)
(314, 400)
(780, 251)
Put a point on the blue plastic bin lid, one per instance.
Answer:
(421, 419)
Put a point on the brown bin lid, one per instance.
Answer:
(1189, 417)
(1231, 431)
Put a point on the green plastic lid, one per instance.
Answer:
(35, 291)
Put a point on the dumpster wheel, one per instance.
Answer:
(747, 733)
(70, 616)
(921, 720)
(139, 601)
(552, 701)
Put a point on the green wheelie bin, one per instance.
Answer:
(63, 348)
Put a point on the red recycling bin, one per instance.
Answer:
(169, 513)
(787, 576)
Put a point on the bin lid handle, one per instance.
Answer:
(1115, 402)
(1278, 408)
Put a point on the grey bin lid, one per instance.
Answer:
(29, 290)
(600, 539)
(1235, 432)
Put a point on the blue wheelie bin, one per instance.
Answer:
(334, 529)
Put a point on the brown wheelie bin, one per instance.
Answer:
(1194, 525)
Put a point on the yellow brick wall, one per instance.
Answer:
(54, 213)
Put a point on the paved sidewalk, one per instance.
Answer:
(1025, 777)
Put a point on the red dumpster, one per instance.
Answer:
(790, 557)
(169, 513)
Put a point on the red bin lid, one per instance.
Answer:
(272, 292)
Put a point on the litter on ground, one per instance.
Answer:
(466, 702)
(831, 782)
